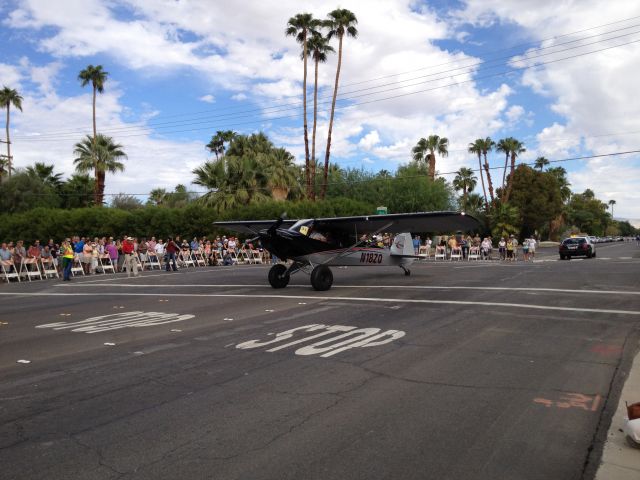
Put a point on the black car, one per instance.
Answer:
(577, 247)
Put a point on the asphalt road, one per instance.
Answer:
(462, 370)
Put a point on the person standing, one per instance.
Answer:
(67, 259)
(532, 248)
(130, 263)
(171, 249)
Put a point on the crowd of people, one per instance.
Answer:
(125, 254)
(466, 247)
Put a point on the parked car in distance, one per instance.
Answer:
(577, 246)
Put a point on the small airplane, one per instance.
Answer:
(316, 244)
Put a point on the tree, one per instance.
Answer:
(157, 197)
(281, 173)
(319, 48)
(125, 202)
(537, 197)
(511, 148)
(560, 174)
(97, 77)
(466, 181)
(341, 22)
(487, 146)
(45, 173)
(24, 192)
(78, 191)
(101, 155)
(8, 97)
(587, 213)
(504, 220)
(611, 204)
(302, 26)
(477, 148)
(541, 162)
(426, 149)
(218, 142)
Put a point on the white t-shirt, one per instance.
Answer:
(532, 244)
(160, 248)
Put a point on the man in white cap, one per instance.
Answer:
(130, 263)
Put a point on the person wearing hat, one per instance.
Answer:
(130, 264)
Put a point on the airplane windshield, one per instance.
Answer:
(302, 226)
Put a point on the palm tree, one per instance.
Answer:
(281, 173)
(8, 97)
(503, 146)
(341, 22)
(611, 204)
(157, 196)
(97, 77)
(101, 155)
(487, 146)
(541, 162)
(218, 141)
(433, 144)
(516, 148)
(302, 26)
(45, 173)
(477, 148)
(319, 48)
(466, 181)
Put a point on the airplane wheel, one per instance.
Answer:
(321, 278)
(278, 277)
(407, 272)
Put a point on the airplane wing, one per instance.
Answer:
(252, 226)
(436, 222)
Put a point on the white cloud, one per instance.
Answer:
(239, 97)
(514, 113)
(207, 98)
(370, 140)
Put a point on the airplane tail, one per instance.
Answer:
(402, 246)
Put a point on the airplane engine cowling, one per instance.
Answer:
(402, 245)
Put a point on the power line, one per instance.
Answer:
(148, 130)
(344, 95)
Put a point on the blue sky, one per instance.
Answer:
(179, 71)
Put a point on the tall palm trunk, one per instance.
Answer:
(8, 143)
(306, 133)
(504, 176)
(489, 182)
(313, 134)
(96, 189)
(100, 181)
(432, 166)
(333, 109)
(484, 190)
(511, 172)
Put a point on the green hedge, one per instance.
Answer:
(192, 220)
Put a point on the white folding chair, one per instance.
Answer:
(76, 266)
(7, 274)
(423, 252)
(441, 252)
(474, 253)
(456, 254)
(186, 259)
(29, 268)
(49, 268)
(256, 256)
(153, 261)
(105, 263)
(198, 256)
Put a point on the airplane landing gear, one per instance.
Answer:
(278, 276)
(407, 272)
(321, 278)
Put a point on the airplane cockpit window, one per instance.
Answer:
(302, 226)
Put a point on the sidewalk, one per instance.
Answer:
(621, 461)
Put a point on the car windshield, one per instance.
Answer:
(574, 241)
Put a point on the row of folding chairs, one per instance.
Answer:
(28, 269)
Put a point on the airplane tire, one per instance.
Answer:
(321, 278)
(278, 277)
(407, 272)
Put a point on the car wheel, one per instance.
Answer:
(563, 257)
